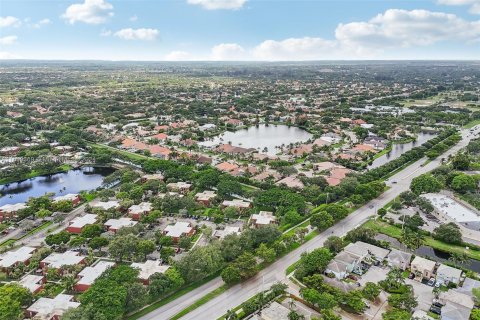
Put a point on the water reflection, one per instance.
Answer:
(73, 181)
(399, 149)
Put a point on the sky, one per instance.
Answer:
(250, 30)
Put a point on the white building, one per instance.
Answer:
(58, 260)
(32, 282)
(179, 229)
(263, 218)
(220, 234)
(446, 274)
(106, 205)
(88, 275)
(237, 203)
(115, 224)
(148, 269)
(12, 258)
(46, 308)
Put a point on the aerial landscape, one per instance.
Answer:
(239, 159)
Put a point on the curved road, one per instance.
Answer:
(237, 294)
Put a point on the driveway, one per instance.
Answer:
(374, 274)
(423, 294)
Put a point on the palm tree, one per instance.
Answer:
(458, 258)
(68, 282)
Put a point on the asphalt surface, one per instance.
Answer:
(237, 294)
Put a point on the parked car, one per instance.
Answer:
(431, 282)
(436, 310)
(411, 275)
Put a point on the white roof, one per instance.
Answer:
(69, 197)
(80, 222)
(90, 274)
(228, 230)
(120, 223)
(264, 217)
(106, 205)
(363, 248)
(205, 195)
(178, 229)
(451, 208)
(10, 258)
(13, 207)
(237, 203)
(148, 268)
(46, 308)
(179, 185)
(140, 208)
(449, 272)
(422, 263)
(58, 260)
(31, 282)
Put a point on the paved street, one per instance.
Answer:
(276, 271)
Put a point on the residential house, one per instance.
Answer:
(57, 261)
(155, 176)
(178, 230)
(77, 224)
(343, 264)
(457, 305)
(106, 205)
(263, 218)
(179, 186)
(88, 275)
(237, 203)
(51, 309)
(148, 269)
(11, 259)
(33, 282)
(422, 268)
(73, 198)
(226, 166)
(138, 210)
(205, 197)
(447, 274)
(221, 234)
(9, 211)
(369, 253)
(291, 182)
(399, 259)
(114, 225)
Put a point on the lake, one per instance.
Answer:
(261, 137)
(401, 148)
(72, 181)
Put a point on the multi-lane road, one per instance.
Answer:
(235, 295)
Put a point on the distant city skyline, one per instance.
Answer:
(240, 30)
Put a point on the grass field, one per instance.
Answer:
(472, 124)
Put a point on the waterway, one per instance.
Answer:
(401, 148)
(72, 181)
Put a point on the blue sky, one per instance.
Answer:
(239, 29)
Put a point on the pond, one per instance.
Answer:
(73, 181)
(400, 148)
(260, 137)
(429, 252)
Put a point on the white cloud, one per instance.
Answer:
(227, 51)
(474, 4)
(178, 56)
(219, 4)
(306, 48)
(41, 23)
(91, 12)
(8, 40)
(9, 21)
(401, 28)
(137, 34)
(133, 18)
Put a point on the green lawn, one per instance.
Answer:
(472, 124)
